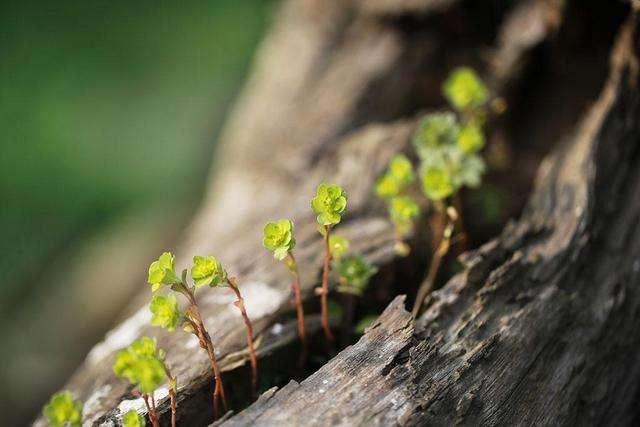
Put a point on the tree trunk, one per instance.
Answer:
(539, 328)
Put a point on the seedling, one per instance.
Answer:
(354, 273)
(142, 363)
(402, 208)
(63, 410)
(448, 146)
(166, 313)
(278, 238)
(132, 419)
(328, 204)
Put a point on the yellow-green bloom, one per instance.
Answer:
(435, 131)
(142, 364)
(165, 312)
(403, 210)
(161, 272)
(63, 410)
(207, 271)
(338, 246)
(471, 138)
(329, 204)
(399, 174)
(464, 89)
(133, 419)
(355, 273)
(278, 237)
(437, 183)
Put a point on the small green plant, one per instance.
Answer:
(63, 410)
(328, 204)
(143, 365)
(132, 419)
(278, 238)
(338, 246)
(354, 273)
(448, 146)
(167, 314)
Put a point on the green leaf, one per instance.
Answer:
(161, 272)
(329, 204)
(355, 273)
(398, 175)
(403, 210)
(165, 312)
(278, 238)
(464, 89)
(63, 410)
(471, 138)
(470, 171)
(437, 183)
(133, 419)
(141, 364)
(338, 246)
(207, 271)
(435, 131)
(387, 187)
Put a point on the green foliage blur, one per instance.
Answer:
(106, 107)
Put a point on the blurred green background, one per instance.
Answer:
(109, 112)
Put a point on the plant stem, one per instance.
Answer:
(436, 260)
(297, 297)
(151, 411)
(252, 352)
(324, 291)
(173, 393)
(205, 342)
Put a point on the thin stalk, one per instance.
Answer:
(324, 291)
(252, 352)
(151, 411)
(436, 260)
(297, 296)
(173, 393)
(205, 342)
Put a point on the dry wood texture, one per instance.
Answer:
(336, 91)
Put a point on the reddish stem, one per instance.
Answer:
(324, 292)
(173, 394)
(252, 352)
(297, 298)
(151, 411)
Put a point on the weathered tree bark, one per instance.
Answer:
(538, 329)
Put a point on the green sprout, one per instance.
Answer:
(278, 238)
(132, 419)
(207, 271)
(329, 204)
(161, 272)
(63, 410)
(403, 210)
(398, 175)
(436, 131)
(338, 246)
(464, 89)
(437, 183)
(471, 138)
(165, 312)
(355, 272)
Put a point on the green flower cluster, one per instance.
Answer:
(338, 246)
(161, 272)
(464, 90)
(278, 238)
(165, 312)
(207, 271)
(398, 175)
(63, 410)
(329, 204)
(449, 150)
(403, 210)
(355, 272)
(133, 419)
(142, 364)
